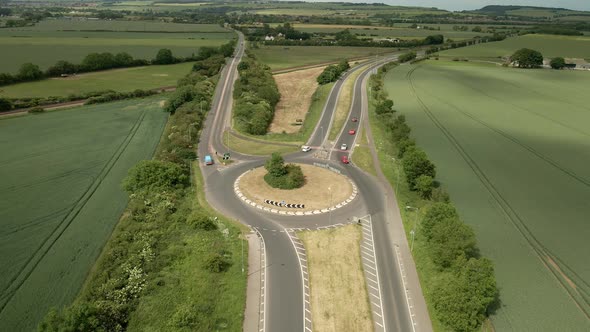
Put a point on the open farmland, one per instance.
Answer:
(280, 57)
(549, 45)
(120, 80)
(513, 148)
(48, 43)
(60, 198)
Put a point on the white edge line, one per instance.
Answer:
(265, 279)
(379, 284)
(399, 256)
(302, 279)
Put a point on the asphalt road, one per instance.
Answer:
(284, 287)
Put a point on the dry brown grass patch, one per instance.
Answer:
(339, 298)
(314, 194)
(296, 89)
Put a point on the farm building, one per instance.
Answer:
(269, 38)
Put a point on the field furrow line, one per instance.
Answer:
(29, 266)
(525, 146)
(541, 252)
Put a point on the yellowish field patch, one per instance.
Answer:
(314, 194)
(296, 89)
(343, 106)
(339, 298)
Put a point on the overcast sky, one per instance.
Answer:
(476, 4)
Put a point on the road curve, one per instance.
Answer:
(284, 287)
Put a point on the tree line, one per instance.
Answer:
(161, 211)
(333, 72)
(256, 94)
(464, 291)
(91, 62)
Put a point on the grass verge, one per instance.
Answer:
(253, 147)
(361, 155)
(339, 298)
(343, 105)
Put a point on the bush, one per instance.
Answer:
(202, 222)
(217, 263)
(440, 195)
(415, 164)
(164, 57)
(155, 174)
(283, 176)
(451, 239)
(5, 104)
(29, 72)
(36, 110)
(404, 145)
(424, 185)
(407, 57)
(333, 72)
(434, 215)
(463, 298)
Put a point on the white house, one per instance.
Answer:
(269, 38)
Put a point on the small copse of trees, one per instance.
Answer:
(407, 57)
(283, 176)
(557, 63)
(527, 58)
(333, 72)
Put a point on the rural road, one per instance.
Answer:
(284, 302)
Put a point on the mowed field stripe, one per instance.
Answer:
(21, 276)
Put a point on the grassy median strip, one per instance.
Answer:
(339, 298)
(343, 105)
(252, 147)
(362, 155)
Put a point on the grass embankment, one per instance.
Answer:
(280, 57)
(361, 155)
(339, 298)
(61, 172)
(254, 146)
(491, 113)
(119, 80)
(343, 105)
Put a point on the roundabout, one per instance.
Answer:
(324, 191)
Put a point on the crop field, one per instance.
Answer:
(549, 45)
(47, 44)
(512, 147)
(120, 80)
(61, 196)
(280, 57)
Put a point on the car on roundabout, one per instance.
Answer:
(344, 159)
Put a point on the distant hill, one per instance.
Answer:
(527, 11)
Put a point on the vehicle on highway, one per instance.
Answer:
(352, 132)
(345, 159)
(305, 148)
(354, 119)
(343, 147)
(208, 160)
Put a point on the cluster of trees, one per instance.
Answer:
(256, 95)
(464, 291)
(283, 176)
(159, 192)
(557, 63)
(113, 95)
(527, 58)
(286, 30)
(333, 72)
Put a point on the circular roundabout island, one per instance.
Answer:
(323, 190)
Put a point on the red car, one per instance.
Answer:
(352, 132)
(345, 159)
(354, 119)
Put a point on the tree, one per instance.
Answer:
(434, 40)
(62, 67)
(435, 214)
(424, 185)
(416, 163)
(404, 145)
(98, 61)
(276, 165)
(164, 57)
(462, 299)
(29, 72)
(123, 59)
(155, 174)
(180, 96)
(527, 58)
(384, 107)
(451, 239)
(407, 57)
(557, 63)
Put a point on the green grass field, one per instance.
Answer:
(61, 196)
(47, 44)
(390, 32)
(549, 45)
(512, 148)
(122, 80)
(280, 57)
